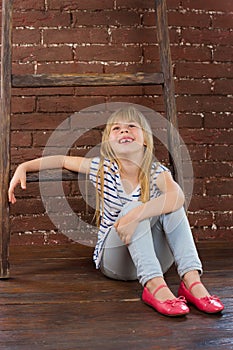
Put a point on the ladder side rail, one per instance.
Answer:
(7, 6)
(169, 90)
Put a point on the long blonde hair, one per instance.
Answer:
(127, 115)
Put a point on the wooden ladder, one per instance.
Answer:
(164, 78)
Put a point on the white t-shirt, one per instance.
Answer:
(115, 197)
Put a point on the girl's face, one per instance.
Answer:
(126, 138)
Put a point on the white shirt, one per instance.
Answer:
(115, 197)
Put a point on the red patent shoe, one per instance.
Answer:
(174, 307)
(209, 304)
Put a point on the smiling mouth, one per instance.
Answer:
(126, 140)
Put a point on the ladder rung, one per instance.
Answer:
(54, 175)
(53, 80)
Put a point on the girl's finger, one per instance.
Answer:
(23, 183)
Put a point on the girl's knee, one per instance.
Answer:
(173, 220)
(129, 206)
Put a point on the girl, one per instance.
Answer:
(143, 228)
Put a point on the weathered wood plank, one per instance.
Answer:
(53, 175)
(169, 90)
(57, 300)
(45, 80)
(5, 134)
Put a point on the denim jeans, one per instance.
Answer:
(156, 244)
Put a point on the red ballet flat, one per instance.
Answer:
(174, 307)
(209, 304)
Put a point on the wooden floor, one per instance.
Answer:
(56, 300)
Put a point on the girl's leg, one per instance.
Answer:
(116, 264)
(139, 259)
(179, 236)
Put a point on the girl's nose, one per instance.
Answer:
(124, 129)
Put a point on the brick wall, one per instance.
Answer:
(110, 36)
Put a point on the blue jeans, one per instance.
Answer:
(156, 244)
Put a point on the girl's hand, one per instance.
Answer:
(126, 227)
(18, 178)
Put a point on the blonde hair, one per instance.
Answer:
(127, 115)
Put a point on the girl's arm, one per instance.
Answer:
(79, 164)
(171, 199)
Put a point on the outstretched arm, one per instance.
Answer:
(79, 164)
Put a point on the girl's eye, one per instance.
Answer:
(115, 128)
(132, 125)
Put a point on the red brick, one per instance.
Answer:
(189, 53)
(132, 67)
(38, 121)
(222, 21)
(198, 187)
(203, 70)
(196, 152)
(42, 54)
(151, 53)
(189, 19)
(210, 5)
(219, 234)
(90, 138)
(69, 68)
(19, 155)
(206, 136)
(32, 190)
(223, 54)
(203, 67)
(108, 53)
(27, 206)
(223, 86)
(220, 152)
(22, 104)
(35, 238)
(43, 91)
(139, 35)
(189, 120)
(41, 19)
(26, 36)
(155, 102)
(68, 5)
(31, 223)
(135, 4)
(21, 139)
(67, 103)
(206, 36)
(200, 219)
(218, 120)
(50, 188)
(211, 169)
(210, 203)
(219, 187)
(56, 238)
(76, 36)
(193, 86)
(29, 5)
(204, 103)
(28, 68)
(173, 4)
(149, 19)
(102, 18)
(224, 219)
(108, 90)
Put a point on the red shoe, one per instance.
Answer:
(174, 307)
(210, 304)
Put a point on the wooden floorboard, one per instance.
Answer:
(55, 299)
